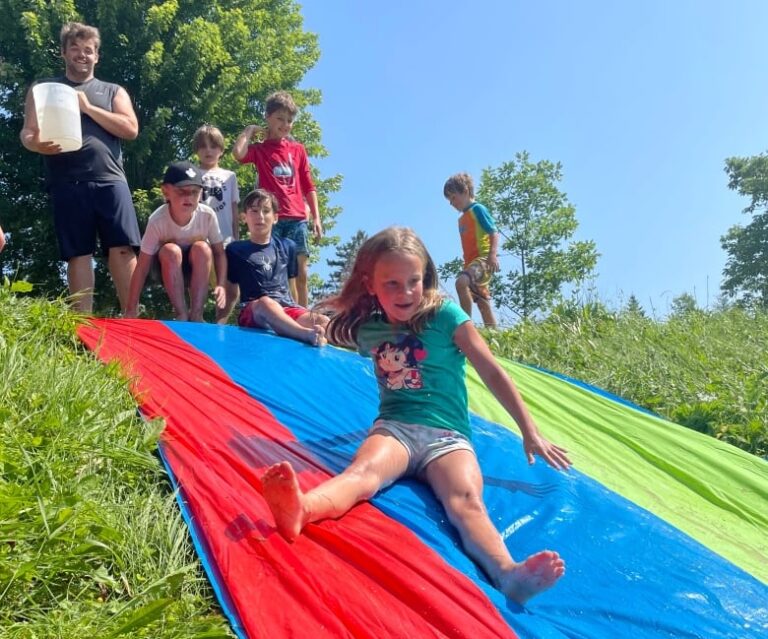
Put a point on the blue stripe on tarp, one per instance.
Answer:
(629, 573)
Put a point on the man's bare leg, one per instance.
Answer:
(81, 280)
(122, 263)
(458, 484)
(170, 258)
(200, 260)
(380, 460)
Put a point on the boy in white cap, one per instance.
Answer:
(183, 239)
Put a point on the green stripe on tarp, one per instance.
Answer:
(712, 491)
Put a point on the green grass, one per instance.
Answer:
(91, 542)
(704, 370)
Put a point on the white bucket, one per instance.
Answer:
(58, 115)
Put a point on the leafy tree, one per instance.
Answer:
(745, 276)
(182, 63)
(536, 223)
(684, 304)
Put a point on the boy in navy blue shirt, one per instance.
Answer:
(262, 267)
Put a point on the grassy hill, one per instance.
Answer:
(707, 370)
(91, 542)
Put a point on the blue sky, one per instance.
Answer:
(641, 103)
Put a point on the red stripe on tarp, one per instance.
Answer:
(364, 575)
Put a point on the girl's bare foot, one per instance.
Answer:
(532, 576)
(285, 499)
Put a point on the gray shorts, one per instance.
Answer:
(423, 443)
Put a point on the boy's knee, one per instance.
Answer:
(169, 251)
(462, 283)
(200, 250)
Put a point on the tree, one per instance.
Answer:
(745, 276)
(746, 269)
(633, 307)
(683, 305)
(536, 222)
(341, 265)
(182, 63)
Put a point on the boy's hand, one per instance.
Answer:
(254, 129)
(317, 228)
(553, 454)
(493, 262)
(219, 296)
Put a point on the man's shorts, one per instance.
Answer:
(295, 230)
(424, 444)
(479, 277)
(83, 211)
(245, 318)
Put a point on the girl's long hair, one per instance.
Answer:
(354, 305)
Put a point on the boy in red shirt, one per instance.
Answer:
(284, 170)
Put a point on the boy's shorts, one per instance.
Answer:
(295, 230)
(424, 444)
(245, 318)
(479, 277)
(156, 272)
(84, 210)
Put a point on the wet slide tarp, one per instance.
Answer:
(664, 531)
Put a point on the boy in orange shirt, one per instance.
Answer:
(479, 243)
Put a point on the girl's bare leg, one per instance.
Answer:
(379, 461)
(458, 484)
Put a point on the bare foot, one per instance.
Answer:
(285, 499)
(533, 576)
(316, 336)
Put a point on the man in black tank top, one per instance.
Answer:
(88, 188)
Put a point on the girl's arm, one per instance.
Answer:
(471, 343)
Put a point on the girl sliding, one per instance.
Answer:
(390, 309)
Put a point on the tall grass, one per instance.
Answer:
(91, 543)
(705, 370)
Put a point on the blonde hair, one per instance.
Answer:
(354, 305)
(208, 133)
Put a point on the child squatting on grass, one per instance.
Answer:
(391, 310)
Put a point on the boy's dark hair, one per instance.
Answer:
(259, 195)
(78, 31)
(208, 133)
(281, 100)
(460, 183)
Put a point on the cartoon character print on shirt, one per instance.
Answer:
(213, 192)
(397, 363)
